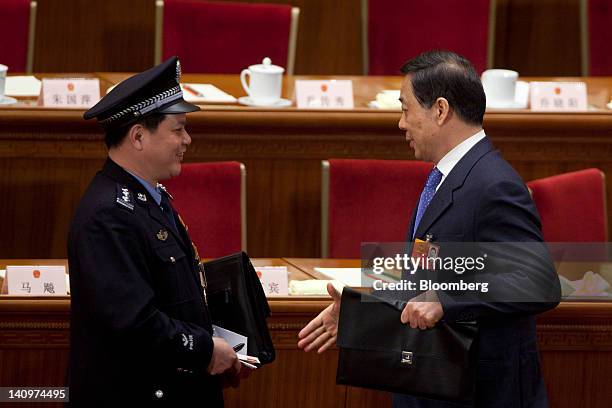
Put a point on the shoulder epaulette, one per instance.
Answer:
(125, 198)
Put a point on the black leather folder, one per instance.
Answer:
(238, 303)
(377, 351)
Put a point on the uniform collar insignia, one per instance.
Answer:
(125, 197)
(163, 190)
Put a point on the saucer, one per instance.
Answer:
(7, 100)
(506, 105)
(376, 105)
(281, 103)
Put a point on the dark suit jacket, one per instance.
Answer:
(139, 325)
(484, 200)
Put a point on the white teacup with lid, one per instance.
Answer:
(265, 82)
(500, 87)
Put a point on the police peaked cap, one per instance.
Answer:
(155, 90)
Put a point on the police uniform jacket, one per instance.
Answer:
(140, 328)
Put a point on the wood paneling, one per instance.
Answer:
(535, 37)
(47, 158)
(538, 37)
(575, 341)
(85, 35)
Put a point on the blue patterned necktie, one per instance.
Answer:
(434, 178)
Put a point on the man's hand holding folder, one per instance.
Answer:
(423, 311)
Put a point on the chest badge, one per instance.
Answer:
(162, 235)
(142, 197)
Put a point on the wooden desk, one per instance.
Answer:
(575, 343)
(34, 344)
(48, 157)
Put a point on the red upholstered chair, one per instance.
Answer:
(17, 27)
(211, 199)
(596, 16)
(572, 206)
(367, 201)
(397, 30)
(226, 37)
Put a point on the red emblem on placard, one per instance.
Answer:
(259, 274)
(36, 273)
(557, 91)
(324, 88)
(70, 86)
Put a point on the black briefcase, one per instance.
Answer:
(377, 351)
(237, 302)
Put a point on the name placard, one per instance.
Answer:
(274, 280)
(36, 280)
(70, 92)
(331, 94)
(558, 96)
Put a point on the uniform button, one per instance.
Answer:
(172, 259)
(159, 393)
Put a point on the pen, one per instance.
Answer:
(238, 347)
(193, 91)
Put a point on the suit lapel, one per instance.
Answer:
(455, 179)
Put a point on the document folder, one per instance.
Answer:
(377, 351)
(238, 303)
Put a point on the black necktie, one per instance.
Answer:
(167, 209)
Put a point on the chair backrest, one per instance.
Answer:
(211, 199)
(596, 36)
(367, 201)
(572, 206)
(224, 38)
(397, 30)
(17, 29)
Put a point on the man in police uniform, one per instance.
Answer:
(140, 329)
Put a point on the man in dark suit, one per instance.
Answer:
(141, 332)
(471, 195)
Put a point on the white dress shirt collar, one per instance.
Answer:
(450, 159)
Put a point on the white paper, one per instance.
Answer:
(325, 94)
(348, 276)
(36, 280)
(355, 277)
(70, 92)
(22, 86)
(232, 338)
(312, 287)
(274, 280)
(248, 359)
(205, 93)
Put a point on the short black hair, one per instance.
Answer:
(114, 136)
(448, 75)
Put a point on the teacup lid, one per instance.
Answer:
(267, 67)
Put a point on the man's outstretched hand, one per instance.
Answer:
(322, 331)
